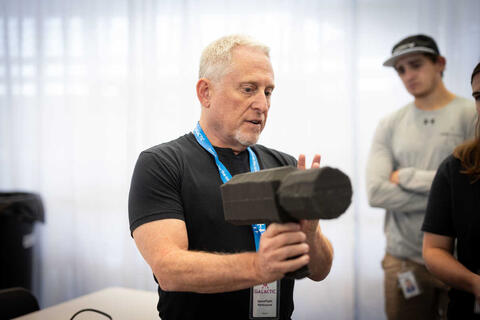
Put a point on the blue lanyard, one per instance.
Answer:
(202, 139)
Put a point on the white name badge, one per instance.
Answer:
(265, 301)
(409, 285)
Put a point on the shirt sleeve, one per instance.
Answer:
(155, 190)
(381, 192)
(416, 180)
(438, 218)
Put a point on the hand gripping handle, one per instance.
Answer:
(299, 273)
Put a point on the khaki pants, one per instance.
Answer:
(431, 304)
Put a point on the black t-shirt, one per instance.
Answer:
(454, 210)
(180, 180)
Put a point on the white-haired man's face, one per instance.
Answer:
(240, 100)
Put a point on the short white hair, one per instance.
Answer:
(216, 57)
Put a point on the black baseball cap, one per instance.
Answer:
(412, 44)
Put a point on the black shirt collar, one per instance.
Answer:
(235, 163)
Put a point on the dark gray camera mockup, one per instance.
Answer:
(286, 194)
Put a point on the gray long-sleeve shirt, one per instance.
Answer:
(414, 142)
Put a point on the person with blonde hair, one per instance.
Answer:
(452, 223)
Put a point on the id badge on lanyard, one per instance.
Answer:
(264, 298)
(265, 301)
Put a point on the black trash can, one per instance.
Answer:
(18, 213)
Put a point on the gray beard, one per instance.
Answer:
(244, 141)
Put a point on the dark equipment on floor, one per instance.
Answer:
(16, 302)
(18, 213)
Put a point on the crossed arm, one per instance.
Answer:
(397, 190)
(413, 180)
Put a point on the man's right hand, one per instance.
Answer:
(164, 245)
(278, 244)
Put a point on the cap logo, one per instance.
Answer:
(404, 47)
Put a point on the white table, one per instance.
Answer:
(119, 303)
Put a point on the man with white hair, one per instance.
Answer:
(205, 267)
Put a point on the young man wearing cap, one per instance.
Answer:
(407, 149)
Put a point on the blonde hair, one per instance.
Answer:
(216, 57)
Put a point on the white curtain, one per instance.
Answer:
(86, 85)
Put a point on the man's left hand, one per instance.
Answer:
(321, 250)
(309, 227)
(301, 161)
